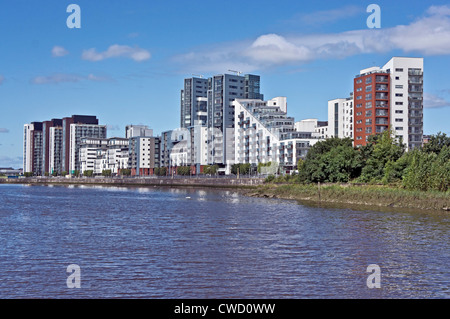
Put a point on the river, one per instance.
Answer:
(190, 243)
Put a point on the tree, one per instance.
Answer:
(436, 143)
(211, 169)
(107, 173)
(125, 172)
(28, 174)
(184, 170)
(88, 173)
(63, 173)
(382, 149)
(332, 160)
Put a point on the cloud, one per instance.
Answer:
(116, 51)
(2, 79)
(427, 35)
(58, 51)
(67, 78)
(4, 130)
(433, 101)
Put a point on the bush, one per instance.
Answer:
(107, 173)
(184, 170)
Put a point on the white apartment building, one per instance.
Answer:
(137, 130)
(406, 99)
(90, 149)
(144, 154)
(55, 149)
(77, 132)
(340, 118)
(264, 133)
(117, 154)
(319, 129)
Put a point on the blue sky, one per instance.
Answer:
(127, 62)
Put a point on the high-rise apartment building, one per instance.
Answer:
(46, 125)
(194, 102)
(340, 117)
(55, 142)
(137, 130)
(77, 132)
(406, 97)
(32, 148)
(71, 142)
(390, 97)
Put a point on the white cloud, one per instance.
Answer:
(428, 35)
(326, 16)
(8, 161)
(434, 101)
(58, 51)
(115, 51)
(67, 78)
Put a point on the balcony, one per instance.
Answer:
(381, 113)
(381, 96)
(382, 104)
(381, 79)
(381, 121)
(381, 88)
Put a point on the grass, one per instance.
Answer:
(372, 195)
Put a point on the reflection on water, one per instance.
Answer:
(189, 243)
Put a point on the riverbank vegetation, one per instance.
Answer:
(379, 173)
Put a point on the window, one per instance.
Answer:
(359, 97)
(398, 103)
(368, 80)
(359, 81)
(399, 70)
(368, 96)
(398, 112)
(368, 113)
(399, 128)
(399, 94)
(368, 105)
(359, 138)
(368, 88)
(359, 114)
(398, 120)
(397, 78)
(399, 86)
(358, 89)
(358, 105)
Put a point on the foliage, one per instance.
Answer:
(28, 174)
(55, 173)
(107, 173)
(381, 149)
(332, 160)
(184, 170)
(63, 173)
(125, 172)
(211, 169)
(88, 173)
(242, 169)
(437, 143)
(160, 171)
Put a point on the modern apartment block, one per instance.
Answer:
(390, 97)
(406, 97)
(137, 130)
(194, 102)
(55, 141)
(223, 90)
(318, 129)
(33, 148)
(91, 151)
(77, 132)
(118, 154)
(372, 104)
(144, 155)
(340, 117)
(72, 138)
(264, 133)
(46, 126)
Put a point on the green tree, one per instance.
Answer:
(382, 149)
(184, 170)
(28, 174)
(436, 143)
(331, 160)
(125, 172)
(107, 173)
(89, 173)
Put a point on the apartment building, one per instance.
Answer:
(92, 152)
(264, 133)
(390, 97)
(340, 117)
(144, 155)
(55, 141)
(33, 148)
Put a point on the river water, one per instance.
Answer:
(190, 243)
